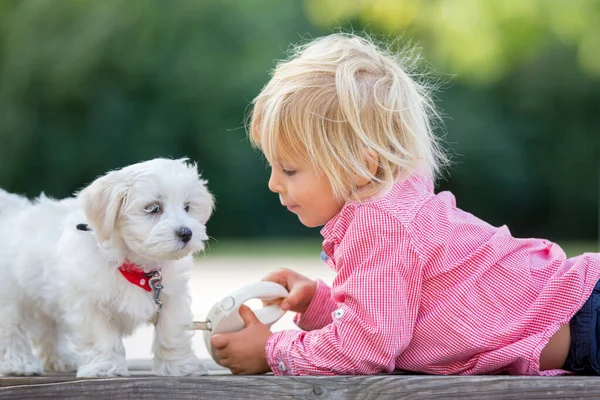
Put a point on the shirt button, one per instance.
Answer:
(338, 313)
(324, 256)
(142, 281)
(282, 366)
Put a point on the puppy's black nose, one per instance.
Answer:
(184, 233)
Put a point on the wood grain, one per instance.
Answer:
(219, 384)
(271, 387)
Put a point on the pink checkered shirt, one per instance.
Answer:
(423, 286)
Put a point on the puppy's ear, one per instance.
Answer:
(208, 203)
(102, 201)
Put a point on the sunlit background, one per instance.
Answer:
(88, 86)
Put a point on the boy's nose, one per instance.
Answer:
(274, 185)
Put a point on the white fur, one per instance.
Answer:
(61, 291)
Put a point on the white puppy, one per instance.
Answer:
(74, 293)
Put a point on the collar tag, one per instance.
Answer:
(149, 281)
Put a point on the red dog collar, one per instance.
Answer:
(134, 274)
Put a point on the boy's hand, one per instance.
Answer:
(302, 290)
(244, 352)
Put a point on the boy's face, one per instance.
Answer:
(305, 192)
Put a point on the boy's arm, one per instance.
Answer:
(377, 294)
(318, 313)
(366, 335)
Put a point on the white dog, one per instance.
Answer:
(74, 292)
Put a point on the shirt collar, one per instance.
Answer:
(334, 230)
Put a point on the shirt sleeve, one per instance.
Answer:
(318, 313)
(376, 294)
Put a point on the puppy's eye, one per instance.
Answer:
(186, 207)
(153, 208)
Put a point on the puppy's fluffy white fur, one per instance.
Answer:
(63, 302)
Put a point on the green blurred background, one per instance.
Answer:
(87, 86)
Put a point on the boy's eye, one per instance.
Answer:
(289, 172)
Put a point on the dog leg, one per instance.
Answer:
(172, 347)
(98, 343)
(16, 356)
(53, 346)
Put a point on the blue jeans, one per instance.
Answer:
(583, 355)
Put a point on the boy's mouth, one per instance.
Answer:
(291, 207)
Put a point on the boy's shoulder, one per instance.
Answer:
(398, 207)
(405, 199)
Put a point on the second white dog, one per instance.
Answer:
(74, 293)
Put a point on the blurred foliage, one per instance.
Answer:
(311, 248)
(87, 86)
(523, 106)
(481, 40)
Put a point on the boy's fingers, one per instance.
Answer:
(285, 304)
(219, 341)
(248, 315)
(294, 299)
(300, 298)
(224, 362)
(281, 276)
(270, 302)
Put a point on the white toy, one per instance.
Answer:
(224, 316)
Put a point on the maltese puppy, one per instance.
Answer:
(81, 273)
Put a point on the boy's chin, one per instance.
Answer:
(310, 223)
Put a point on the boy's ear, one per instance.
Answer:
(372, 160)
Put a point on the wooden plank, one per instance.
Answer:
(137, 368)
(341, 387)
(220, 384)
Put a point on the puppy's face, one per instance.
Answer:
(159, 208)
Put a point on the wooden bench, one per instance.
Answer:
(220, 384)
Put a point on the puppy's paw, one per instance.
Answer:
(103, 368)
(21, 365)
(190, 365)
(59, 365)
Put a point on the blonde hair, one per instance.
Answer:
(339, 100)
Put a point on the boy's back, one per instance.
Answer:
(486, 299)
